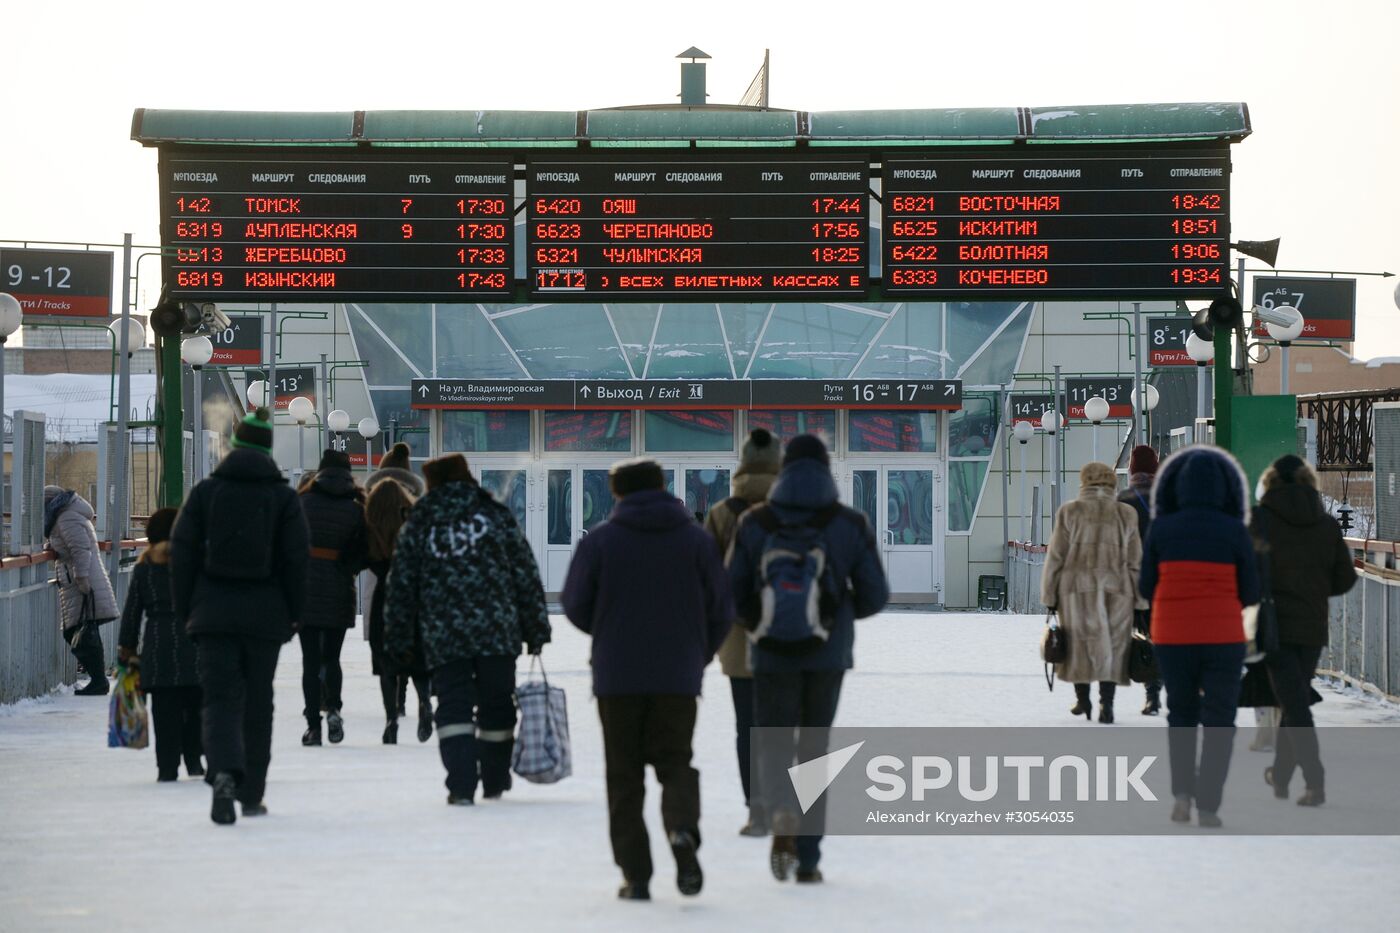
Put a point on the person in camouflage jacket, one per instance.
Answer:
(464, 594)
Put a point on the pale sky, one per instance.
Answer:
(1322, 81)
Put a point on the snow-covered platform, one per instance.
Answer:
(359, 836)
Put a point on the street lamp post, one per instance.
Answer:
(1096, 410)
(338, 422)
(196, 351)
(369, 427)
(1202, 351)
(1050, 423)
(1285, 334)
(1023, 432)
(1150, 399)
(301, 408)
(257, 393)
(11, 315)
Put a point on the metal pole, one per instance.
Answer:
(369, 457)
(301, 450)
(1140, 393)
(1024, 510)
(1095, 431)
(322, 435)
(271, 397)
(1006, 482)
(1055, 449)
(116, 518)
(1283, 370)
(198, 422)
(1198, 435)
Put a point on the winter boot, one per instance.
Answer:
(1312, 797)
(335, 727)
(1153, 706)
(809, 876)
(1082, 707)
(1280, 792)
(755, 828)
(454, 801)
(255, 809)
(689, 878)
(1181, 810)
(391, 732)
(1106, 694)
(1208, 820)
(194, 767)
(225, 793)
(633, 891)
(782, 858)
(165, 777)
(312, 735)
(425, 721)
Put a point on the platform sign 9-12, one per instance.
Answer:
(705, 227)
(317, 226)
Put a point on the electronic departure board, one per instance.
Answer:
(1086, 222)
(702, 227)
(327, 226)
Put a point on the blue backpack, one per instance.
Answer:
(798, 592)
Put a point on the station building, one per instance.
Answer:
(934, 484)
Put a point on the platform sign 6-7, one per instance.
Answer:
(1328, 306)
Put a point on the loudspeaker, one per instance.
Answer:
(1265, 251)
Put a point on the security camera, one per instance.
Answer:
(1279, 316)
(212, 318)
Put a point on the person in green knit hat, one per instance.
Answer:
(238, 562)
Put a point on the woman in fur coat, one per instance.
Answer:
(1090, 580)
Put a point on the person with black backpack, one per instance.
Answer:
(803, 567)
(238, 563)
(759, 461)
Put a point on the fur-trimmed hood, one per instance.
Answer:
(1201, 477)
(158, 553)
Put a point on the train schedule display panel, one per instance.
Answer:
(706, 228)
(1077, 223)
(327, 226)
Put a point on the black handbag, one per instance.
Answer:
(1266, 635)
(1142, 659)
(1054, 647)
(1257, 689)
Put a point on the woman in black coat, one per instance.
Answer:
(335, 517)
(1308, 562)
(165, 654)
(393, 489)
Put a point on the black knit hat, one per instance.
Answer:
(159, 525)
(806, 447)
(396, 458)
(449, 468)
(334, 459)
(638, 475)
(254, 431)
(761, 453)
(1288, 466)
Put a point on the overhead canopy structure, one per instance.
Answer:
(713, 125)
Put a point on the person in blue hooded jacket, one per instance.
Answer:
(802, 689)
(1199, 570)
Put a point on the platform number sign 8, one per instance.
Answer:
(1167, 341)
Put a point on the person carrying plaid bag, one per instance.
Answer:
(465, 592)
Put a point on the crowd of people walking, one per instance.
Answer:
(1181, 555)
(771, 583)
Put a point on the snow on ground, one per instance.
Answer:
(360, 838)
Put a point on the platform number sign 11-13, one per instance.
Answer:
(1117, 392)
(1166, 341)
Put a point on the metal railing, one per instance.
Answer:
(1364, 625)
(1023, 586)
(33, 656)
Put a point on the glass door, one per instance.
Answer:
(902, 503)
(514, 486)
(577, 498)
(702, 484)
